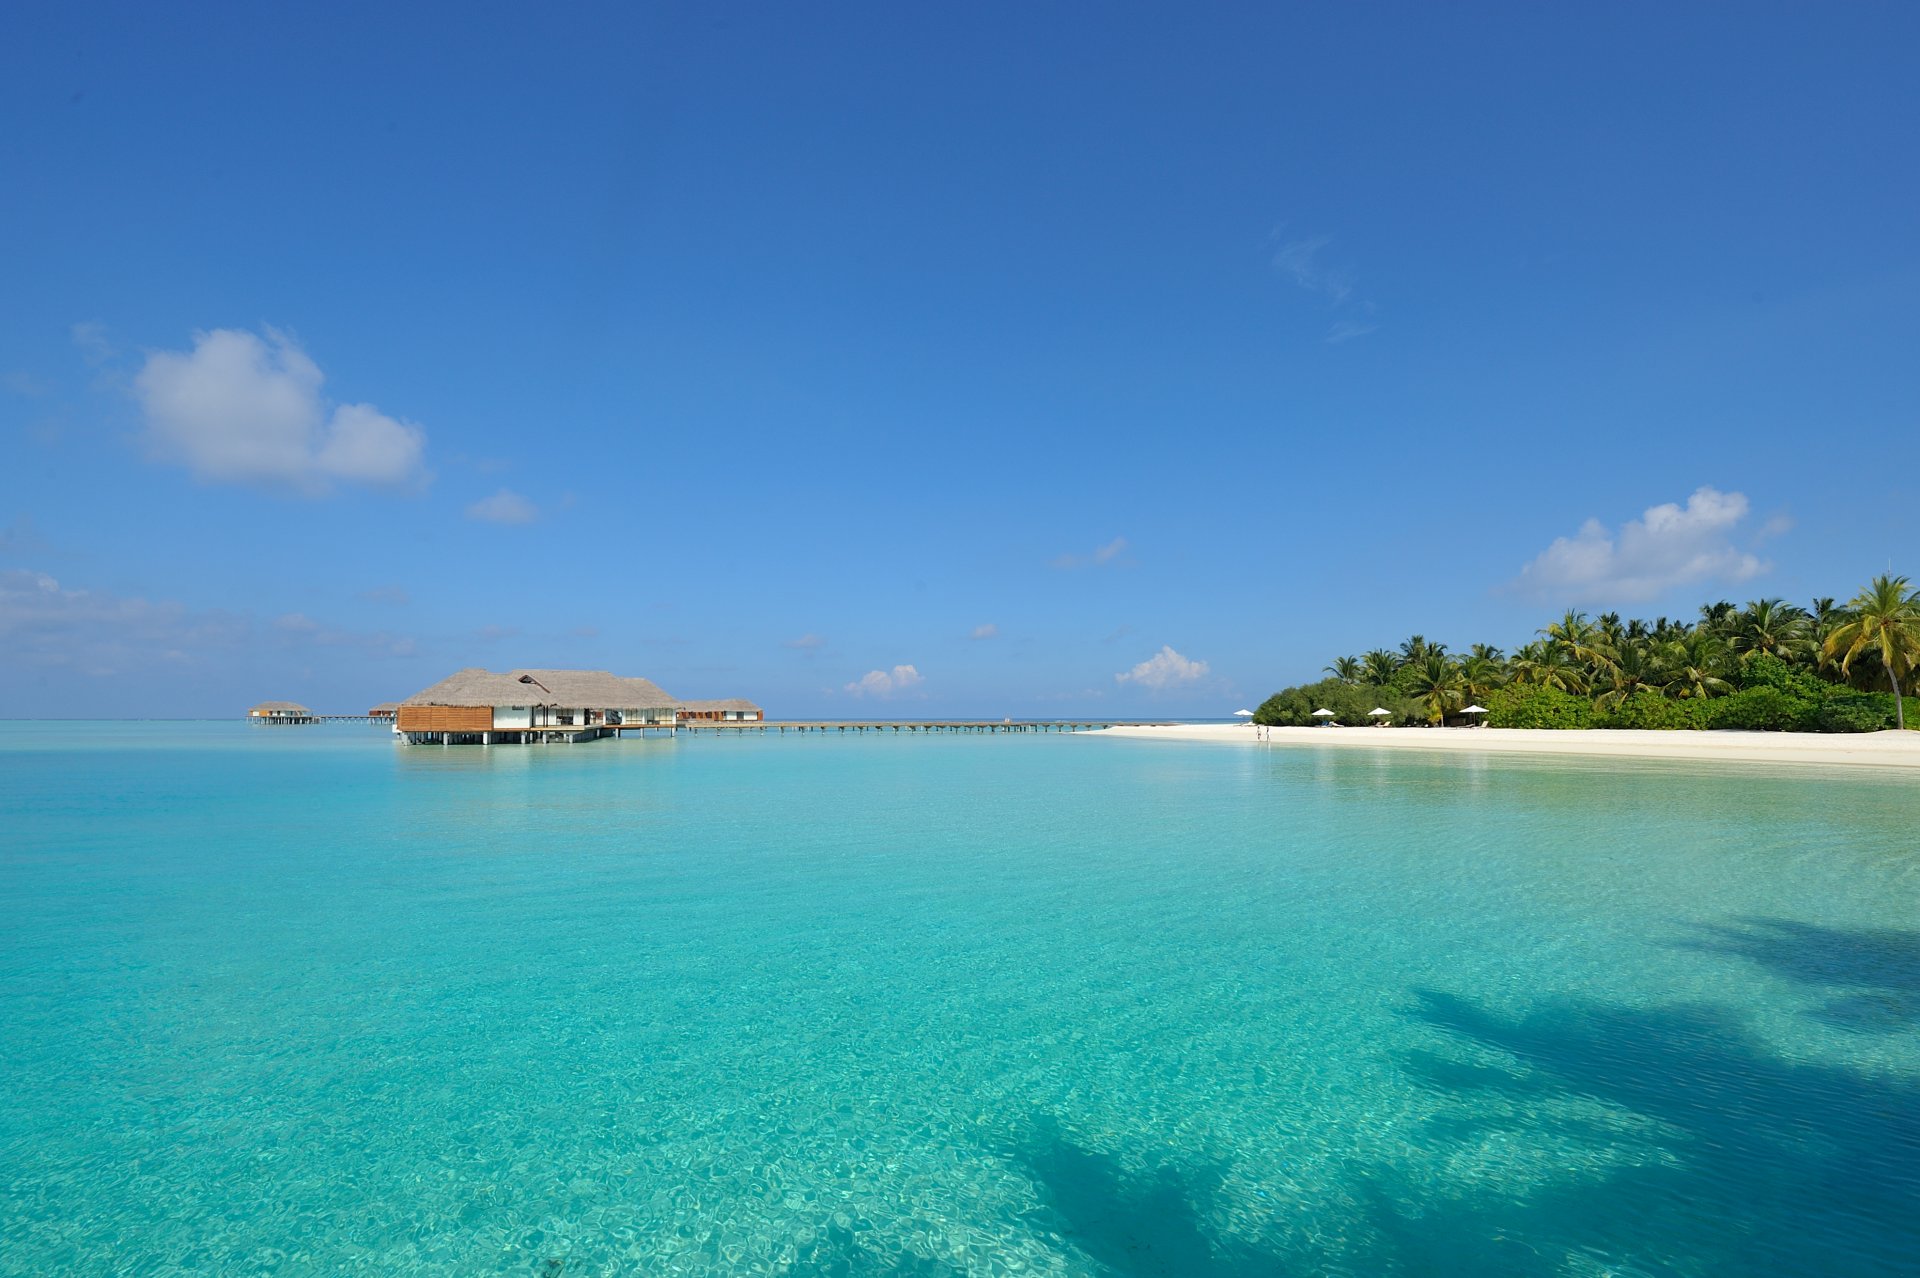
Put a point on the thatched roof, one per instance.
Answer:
(283, 707)
(385, 707)
(725, 703)
(596, 688)
(587, 689)
(475, 687)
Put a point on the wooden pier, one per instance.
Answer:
(920, 725)
(571, 734)
(320, 718)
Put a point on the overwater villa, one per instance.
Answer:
(481, 707)
(385, 710)
(281, 712)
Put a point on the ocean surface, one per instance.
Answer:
(305, 1001)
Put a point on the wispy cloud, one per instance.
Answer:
(94, 633)
(21, 538)
(393, 596)
(98, 634)
(504, 507)
(1303, 261)
(1306, 263)
(805, 643)
(884, 683)
(1669, 545)
(1164, 669)
(986, 630)
(298, 627)
(245, 408)
(91, 337)
(1100, 557)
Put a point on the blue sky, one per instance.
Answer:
(880, 360)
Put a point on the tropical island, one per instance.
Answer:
(1770, 666)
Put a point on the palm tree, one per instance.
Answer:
(1345, 669)
(1772, 626)
(1883, 619)
(1380, 666)
(1717, 617)
(1416, 650)
(1627, 669)
(1825, 616)
(1435, 683)
(1692, 666)
(1478, 677)
(1487, 652)
(1547, 665)
(1579, 636)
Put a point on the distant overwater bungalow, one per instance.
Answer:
(522, 707)
(280, 712)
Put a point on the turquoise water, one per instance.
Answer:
(300, 1001)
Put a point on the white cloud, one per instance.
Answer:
(91, 337)
(20, 537)
(99, 635)
(239, 408)
(1102, 555)
(504, 507)
(985, 631)
(1304, 262)
(884, 683)
(43, 623)
(1300, 261)
(805, 643)
(1164, 669)
(1668, 546)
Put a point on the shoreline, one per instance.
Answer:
(1889, 749)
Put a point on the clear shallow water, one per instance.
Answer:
(299, 1001)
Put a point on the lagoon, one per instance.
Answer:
(305, 1001)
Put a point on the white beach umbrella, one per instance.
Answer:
(1379, 712)
(1243, 714)
(1473, 709)
(1323, 713)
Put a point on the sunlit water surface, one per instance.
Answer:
(302, 1001)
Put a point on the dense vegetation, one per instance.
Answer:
(1771, 666)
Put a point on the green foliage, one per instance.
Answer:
(1771, 666)
(1434, 682)
(1650, 708)
(1522, 705)
(1847, 711)
(1764, 708)
(1764, 670)
(1883, 619)
(1294, 707)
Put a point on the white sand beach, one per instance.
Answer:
(1870, 749)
